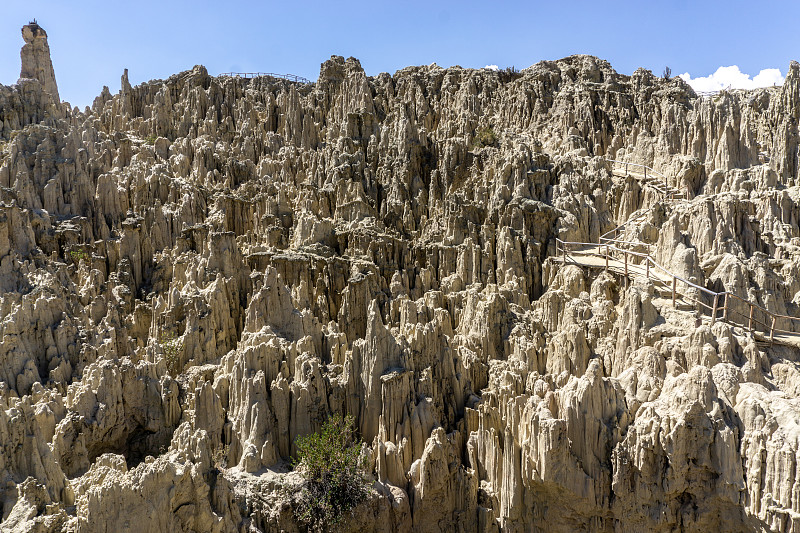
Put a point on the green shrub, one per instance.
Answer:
(219, 457)
(78, 255)
(151, 140)
(484, 137)
(172, 348)
(333, 472)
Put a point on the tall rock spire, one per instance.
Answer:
(35, 56)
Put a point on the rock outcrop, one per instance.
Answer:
(36, 63)
(196, 271)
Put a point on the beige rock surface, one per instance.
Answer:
(35, 56)
(196, 271)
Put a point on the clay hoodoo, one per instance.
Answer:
(196, 271)
(35, 55)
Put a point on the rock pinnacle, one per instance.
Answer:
(35, 56)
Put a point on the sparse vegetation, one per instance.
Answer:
(667, 73)
(171, 348)
(151, 139)
(509, 74)
(331, 464)
(78, 255)
(484, 137)
(219, 457)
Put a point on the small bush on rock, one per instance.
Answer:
(79, 255)
(331, 465)
(219, 457)
(171, 348)
(484, 137)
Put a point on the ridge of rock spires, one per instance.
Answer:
(196, 271)
(35, 56)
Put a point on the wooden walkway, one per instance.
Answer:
(632, 259)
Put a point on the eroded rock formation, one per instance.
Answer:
(196, 271)
(35, 56)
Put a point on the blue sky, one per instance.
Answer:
(92, 42)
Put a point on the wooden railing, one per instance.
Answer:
(612, 247)
(721, 301)
(713, 93)
(653, 178)
(289, 77)
(612, 235)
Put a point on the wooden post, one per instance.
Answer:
(606, 257)
(626, 170)
(714, 309)
(647, 262)
(645, 173)
(750, 322)
(626, 264)
(674, 283)
(772, 331)
(725, 309)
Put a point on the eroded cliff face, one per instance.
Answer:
(197, 271)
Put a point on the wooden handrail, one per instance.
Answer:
(608, 244)
(604, 250)
(665, 191)
(626, 163)
(634, 243)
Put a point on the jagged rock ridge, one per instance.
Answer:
(353, 246)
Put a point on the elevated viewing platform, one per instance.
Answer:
(632, 259)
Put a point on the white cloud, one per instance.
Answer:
(492, 67)
(734, 78)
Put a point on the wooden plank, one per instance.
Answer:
(725, 309)
(714, 309)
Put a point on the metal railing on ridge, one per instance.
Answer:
(631, 260)
(248, 75)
